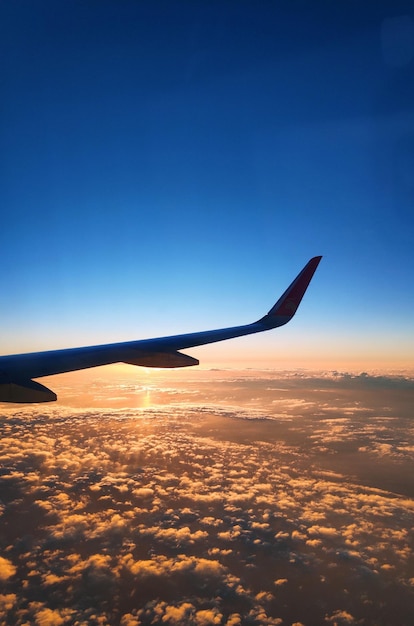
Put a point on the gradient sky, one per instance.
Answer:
(170, 166)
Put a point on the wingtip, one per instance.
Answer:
(287, 305)
(313, 262)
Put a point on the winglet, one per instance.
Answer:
(285, 308)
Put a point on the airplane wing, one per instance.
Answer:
(17, 371)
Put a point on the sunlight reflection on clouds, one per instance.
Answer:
(192, 510)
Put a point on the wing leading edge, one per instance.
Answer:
(17, 371)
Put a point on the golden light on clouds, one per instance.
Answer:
(224, 497)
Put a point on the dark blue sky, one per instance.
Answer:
(170, 166)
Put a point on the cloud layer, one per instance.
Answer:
(207, 512)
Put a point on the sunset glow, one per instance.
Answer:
(169, 168)
(220, 497)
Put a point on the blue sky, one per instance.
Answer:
(170, 166)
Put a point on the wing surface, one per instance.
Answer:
(17, 371)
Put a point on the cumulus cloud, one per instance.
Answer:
(340, 618)
(324, 531)
(178, 614)
(7, 569)
(7, 601)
